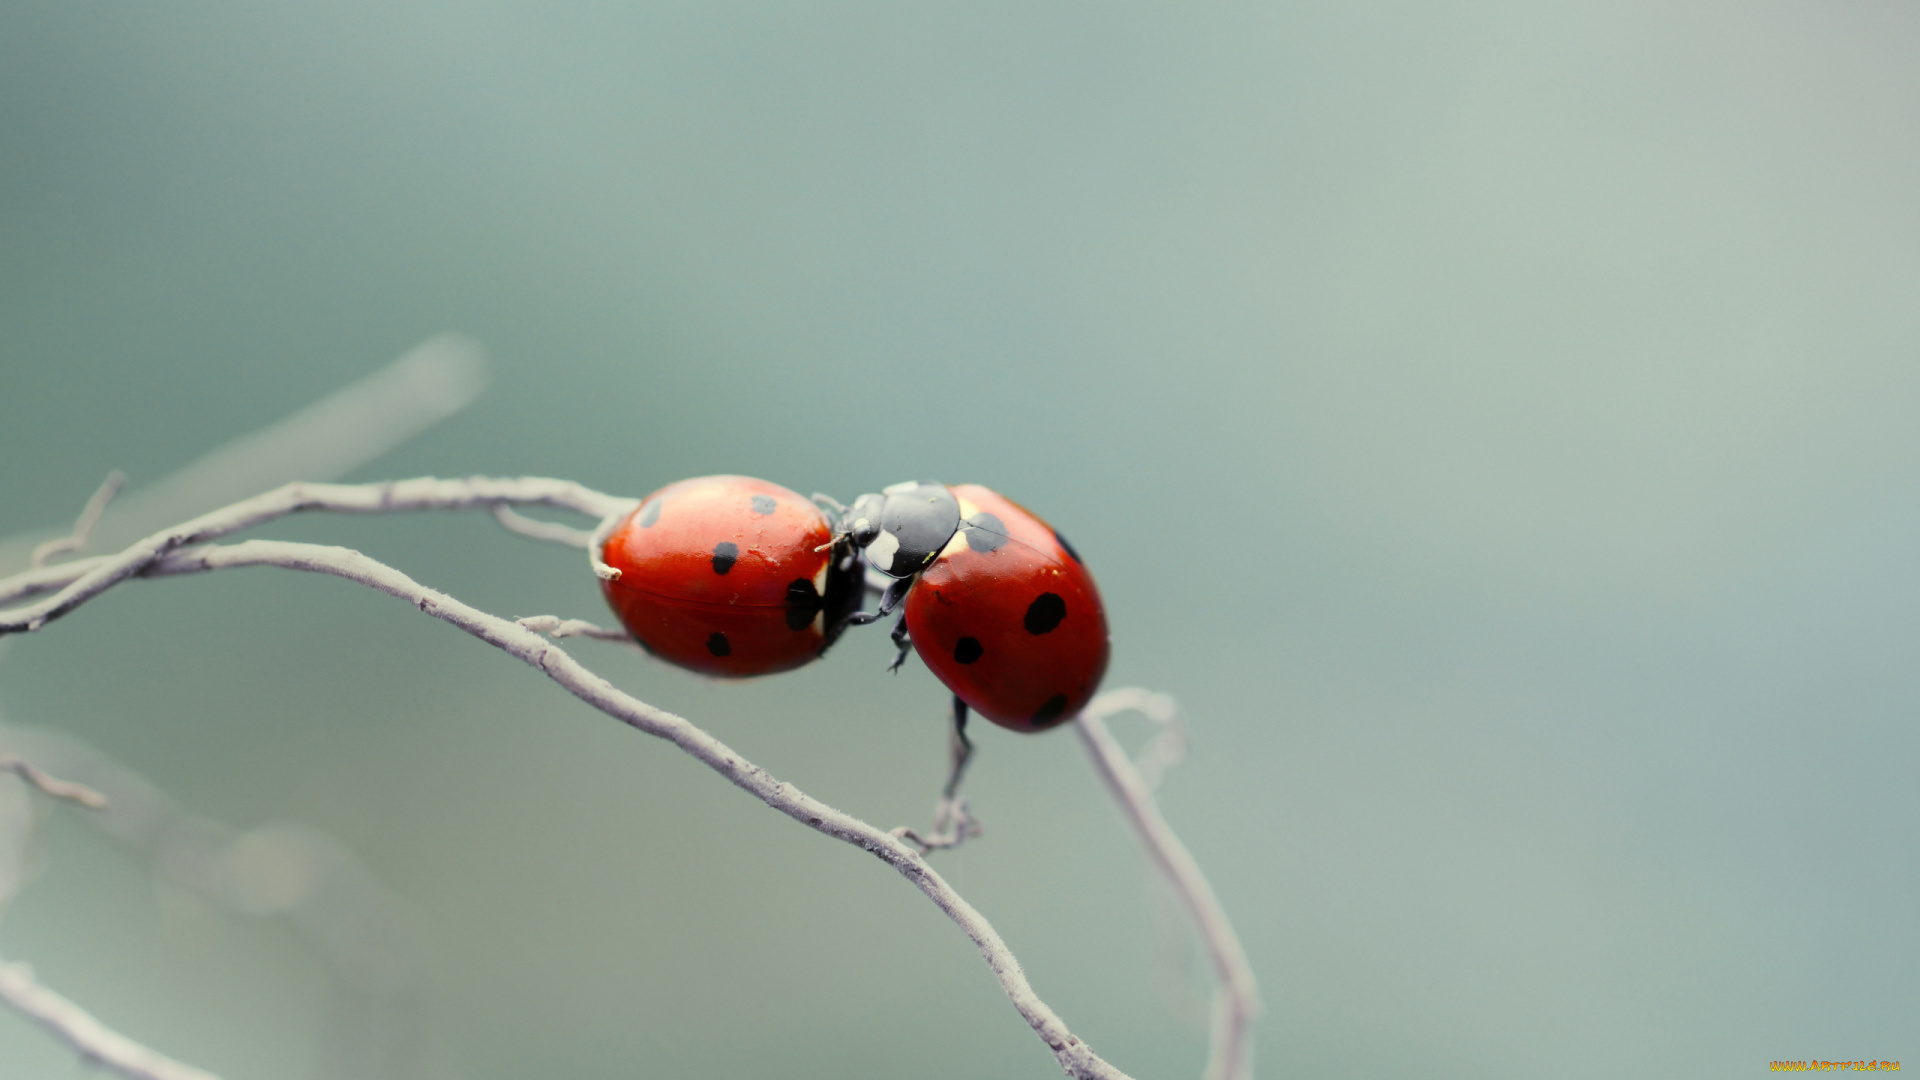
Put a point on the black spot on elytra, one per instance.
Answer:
(986, 533)
(650, 513)
(763, 504)
(1062, 541)
(1050, 713)
(726, 553)
(1045, 613)
(718, 645)
(967, 650)
(803, 600)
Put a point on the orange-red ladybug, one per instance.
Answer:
(996, 603)
(731, 576)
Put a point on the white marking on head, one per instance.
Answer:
(902, 488)
(880, 552)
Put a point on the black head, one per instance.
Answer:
(904, 526)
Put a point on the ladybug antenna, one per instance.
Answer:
(829, 502)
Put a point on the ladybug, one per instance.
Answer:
(731, 576)
(996, 603)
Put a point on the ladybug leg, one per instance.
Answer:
(904, 644)
(896, 592)
(891, 598)
(952, 824)
(959, 749)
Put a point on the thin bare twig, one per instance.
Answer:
(46, 578)
(157, 556)
(556, 627)
(77, 1028)
(59, 789)
(551, 532)
(598, 540)
(422, 493)
(1236, 1000)
(1168, 747)
(83, 525)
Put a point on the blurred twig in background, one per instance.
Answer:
(83, 525)
(363, 932)
(327, 439)
(1236, 995)
(19, 989)
(376, 1027)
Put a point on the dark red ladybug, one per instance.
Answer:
(731, 576)
(996, 603)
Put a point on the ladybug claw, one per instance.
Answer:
(952, 826)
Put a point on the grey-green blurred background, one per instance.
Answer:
(1495, 422)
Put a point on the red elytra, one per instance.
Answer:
(1008, 618)
(729, 576)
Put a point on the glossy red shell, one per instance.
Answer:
(716, 573)
(1012, 623)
